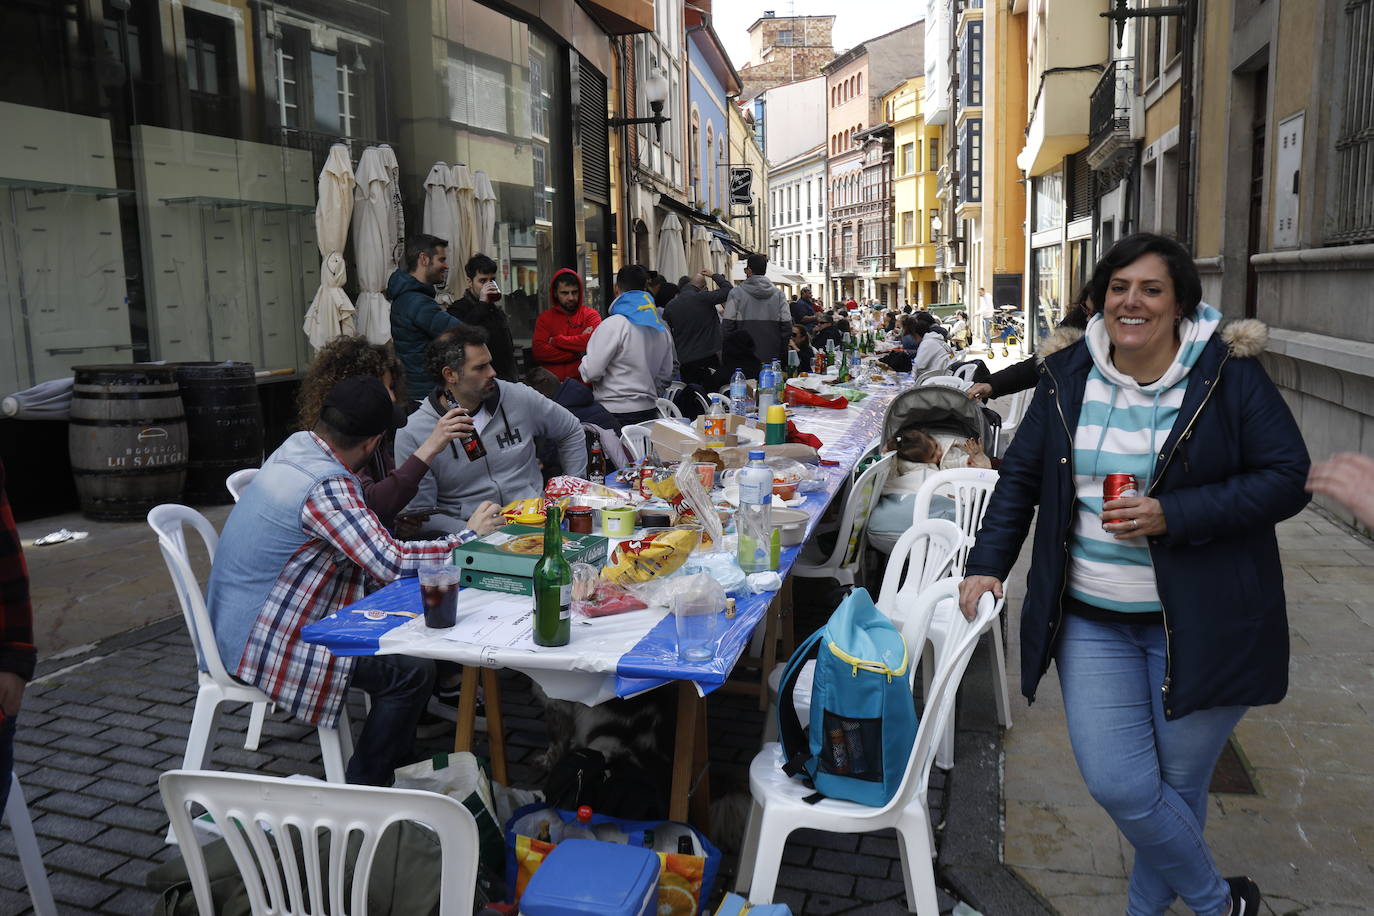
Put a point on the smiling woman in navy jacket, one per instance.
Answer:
(1164, 612)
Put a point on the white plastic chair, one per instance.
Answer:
(779, 801)
(851, 536)
(921, 556)
(635, 438)
(971, 489)
(169, 521)
(271, 825)
(673, 388)
(30, 857)
(667, 409)
(238, 481)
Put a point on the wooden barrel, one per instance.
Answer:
(223, 426)
(127, 439)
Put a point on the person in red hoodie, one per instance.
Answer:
(561, 331)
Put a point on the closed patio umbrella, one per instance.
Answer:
(672, 255)
(439, 217)
(465, 210)
(396, 217)
(720, 261)
(486, 212)
(699, 253)
(371, 246)
(330, 313)
(51, 400)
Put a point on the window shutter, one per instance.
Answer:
(593, 136)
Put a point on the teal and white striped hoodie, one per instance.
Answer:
(1121, 427)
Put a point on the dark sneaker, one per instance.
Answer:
(1245, 896)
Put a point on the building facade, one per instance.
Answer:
(797, 217)
(711, 84)
(916, 161)
(1066, 44)
(855, 82)
(748, 221)
(1002, 248)
(785, 49)
(790, 119)
(178, 145)
(1283, 200)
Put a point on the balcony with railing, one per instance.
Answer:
(1110, 111)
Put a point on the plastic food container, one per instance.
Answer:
(586, 877)
(791, 525)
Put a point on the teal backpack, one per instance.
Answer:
(863, 717)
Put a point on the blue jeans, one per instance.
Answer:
(399, 686)
(1150, 774)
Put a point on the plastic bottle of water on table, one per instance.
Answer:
(753, 519)
(739, 393)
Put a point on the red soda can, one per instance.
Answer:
(646, 474)
(1119, 486)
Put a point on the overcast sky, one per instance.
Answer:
(855, 20)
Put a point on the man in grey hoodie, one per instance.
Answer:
(759, 307)
(507, 418)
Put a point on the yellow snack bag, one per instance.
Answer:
(656, 554)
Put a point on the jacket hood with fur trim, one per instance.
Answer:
(1245, 338)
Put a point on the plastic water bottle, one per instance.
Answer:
(779, 382)
(767, 390)
(739, 393)
(753, 519)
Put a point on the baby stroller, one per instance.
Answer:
(940, 409)
(1006, 328)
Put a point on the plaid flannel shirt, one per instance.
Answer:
(17, 653)
(345, 545)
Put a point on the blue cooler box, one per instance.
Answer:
(586, 877)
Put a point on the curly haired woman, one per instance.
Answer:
(386, 488)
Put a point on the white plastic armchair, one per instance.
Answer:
(169, 523)
(780, 803)
(921, 557)
(26, 844)
(238, 481)
(274, 826)
(635, 438)
(971, 489)
(851, 537)
(667, 409)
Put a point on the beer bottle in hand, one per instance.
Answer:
(552, 587)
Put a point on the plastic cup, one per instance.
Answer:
(696, 628)
(706, 470)
(439, 595)
(618, 522)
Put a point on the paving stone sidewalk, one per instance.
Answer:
(99, 727)
(1307, 836)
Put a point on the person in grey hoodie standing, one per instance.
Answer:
(759, 307)
(506, 416)
(416, 318)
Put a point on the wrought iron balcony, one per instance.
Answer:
(1109, 109)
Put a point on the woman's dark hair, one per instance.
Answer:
(1182, 270)
(911, 327)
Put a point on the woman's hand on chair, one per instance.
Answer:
(972, 589)
(979, 391)
(1133, 517)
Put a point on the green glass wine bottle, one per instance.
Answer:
(552, 587)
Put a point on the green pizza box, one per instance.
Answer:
(497, 562)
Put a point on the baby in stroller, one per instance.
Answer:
(929, 430)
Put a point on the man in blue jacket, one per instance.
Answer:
(416, 318)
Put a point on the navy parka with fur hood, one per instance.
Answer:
(1232, 467)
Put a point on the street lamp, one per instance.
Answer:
(655, 93)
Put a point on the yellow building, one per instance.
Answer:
(915, 147)
(1002, 247)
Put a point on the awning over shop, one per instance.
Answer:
(622, 17)
(720, 229)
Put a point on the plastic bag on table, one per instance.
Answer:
(659, 552)
(698, 587)
(576, 486)
(594, 596)
(721, 566)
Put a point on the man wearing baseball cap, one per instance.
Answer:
(301, 544)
